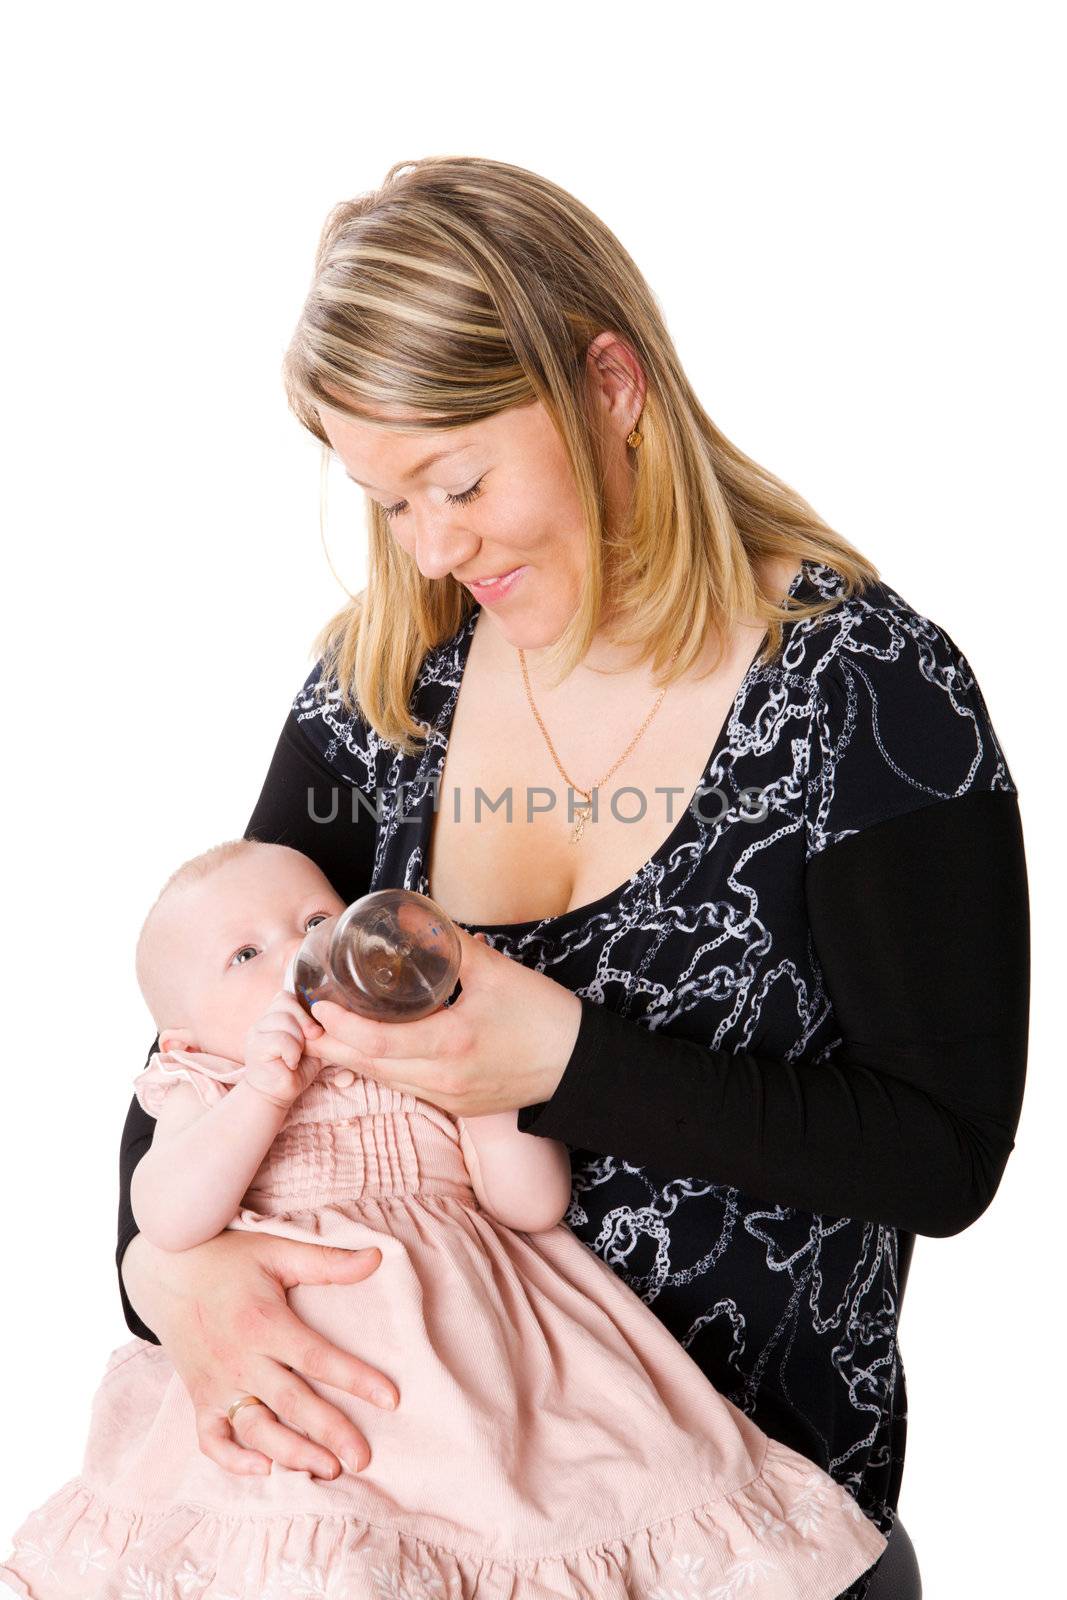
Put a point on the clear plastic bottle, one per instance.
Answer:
(393, 955)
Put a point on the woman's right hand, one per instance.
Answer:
(220, 1313)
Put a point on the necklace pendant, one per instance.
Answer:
(583, 809)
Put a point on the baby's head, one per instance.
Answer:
(214, 948)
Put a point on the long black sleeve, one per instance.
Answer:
(298, 790)
(921, 928)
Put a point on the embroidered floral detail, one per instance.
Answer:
(744, 1575)
(418, 1583)
(89, 1556)
(806, 1512)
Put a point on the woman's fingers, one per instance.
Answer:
(258, 1428)
(213, 1437)
(296, 1406)
(372, 1040)
(293, 1261)
(221, 1314)
(296, 1261)
(305, 1351)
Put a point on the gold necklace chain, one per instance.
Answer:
(584, 808)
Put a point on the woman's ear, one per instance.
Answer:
(176, 1039)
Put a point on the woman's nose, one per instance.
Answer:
(438, 547)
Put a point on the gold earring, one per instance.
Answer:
(633, 438)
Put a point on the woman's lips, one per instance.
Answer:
(490, 593)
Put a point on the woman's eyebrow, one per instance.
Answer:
(420, 466)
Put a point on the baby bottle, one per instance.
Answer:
(393, 955)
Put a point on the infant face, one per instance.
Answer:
(230, 938)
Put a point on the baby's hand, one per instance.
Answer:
(274, 1050)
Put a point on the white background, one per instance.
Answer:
(849, 216)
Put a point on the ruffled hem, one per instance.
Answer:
(792, 1533)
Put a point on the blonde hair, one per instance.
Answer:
(155, 978)
(462, 287)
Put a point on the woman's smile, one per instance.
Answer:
(491, 591)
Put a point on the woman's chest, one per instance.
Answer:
(707, 937)
(513, 837)
(511, 841)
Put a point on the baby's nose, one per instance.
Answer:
(292, 949)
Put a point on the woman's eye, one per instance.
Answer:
(453, 499)
(250, 949)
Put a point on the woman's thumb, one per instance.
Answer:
(303, 1261)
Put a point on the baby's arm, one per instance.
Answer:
(520, 1178)
(192, 1179)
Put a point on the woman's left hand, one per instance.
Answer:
(503, 1044)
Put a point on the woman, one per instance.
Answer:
(774, 997)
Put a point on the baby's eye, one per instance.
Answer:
(245, 948)
(317, 916)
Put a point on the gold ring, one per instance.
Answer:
(245, 1400)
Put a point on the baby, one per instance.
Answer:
(211, 961)
(552, 1436)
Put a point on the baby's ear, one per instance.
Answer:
(176, 1039)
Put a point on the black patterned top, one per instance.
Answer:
(804, 1019)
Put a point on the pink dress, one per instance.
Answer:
(552, 1440)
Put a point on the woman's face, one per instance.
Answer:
(502, 498)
